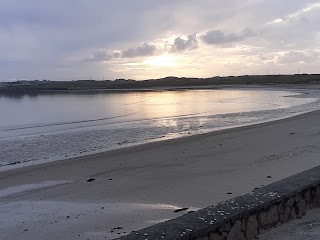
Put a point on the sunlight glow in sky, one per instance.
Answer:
(64, 40)
(164, 60)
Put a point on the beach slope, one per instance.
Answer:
(138, 186)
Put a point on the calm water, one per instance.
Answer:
(56, 126)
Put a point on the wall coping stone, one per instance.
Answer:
(202, 222)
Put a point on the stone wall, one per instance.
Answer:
(243, 217)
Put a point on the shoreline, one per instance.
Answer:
(30, 163)
(302, 86)
(152, 143)
(139, 186)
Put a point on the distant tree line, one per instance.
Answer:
(123, 84)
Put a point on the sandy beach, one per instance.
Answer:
(139, 186)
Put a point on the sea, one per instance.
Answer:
(42, 127)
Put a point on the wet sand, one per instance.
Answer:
(142, 185)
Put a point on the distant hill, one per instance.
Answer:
(121, 84)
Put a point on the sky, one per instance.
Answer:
(145, 39)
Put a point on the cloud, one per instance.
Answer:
(218, 37)
(145, 50)
(181, 44)
(100, 56)
(296, 14)
(307, 56)
(265, 57)
(37, 37)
